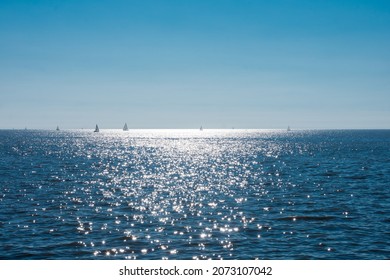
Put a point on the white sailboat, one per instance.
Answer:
(201, 128)
(125, 128)
(288, 128)
(96, 129)
(58, 128)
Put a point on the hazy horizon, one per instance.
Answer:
(182, 64)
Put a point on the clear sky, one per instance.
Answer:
(186, 63)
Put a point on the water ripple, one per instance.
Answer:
(188, 194)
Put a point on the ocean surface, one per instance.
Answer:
(190, 194)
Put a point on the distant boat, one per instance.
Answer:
(96, 129)
(125, 128)
(58, 129)
(288, 128)
(201, 128)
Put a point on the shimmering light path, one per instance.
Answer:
(190, 194)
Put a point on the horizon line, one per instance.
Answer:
(211, 128)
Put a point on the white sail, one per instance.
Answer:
(125, 128)
(96, 129)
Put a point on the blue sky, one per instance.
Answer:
(182, 64)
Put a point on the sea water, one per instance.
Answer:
(191, 194)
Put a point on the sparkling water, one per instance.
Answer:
(191, 194)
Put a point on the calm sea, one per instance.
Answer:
(190, 194)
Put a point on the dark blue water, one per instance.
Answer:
(187, 194)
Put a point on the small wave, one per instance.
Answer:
(358, 177)
(307, 218)
(329, 173)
